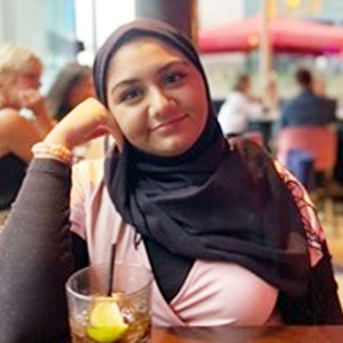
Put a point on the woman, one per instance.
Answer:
(215, 221)
(20, 73)
(73, 84)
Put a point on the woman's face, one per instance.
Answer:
(157, 97)
(29, 77)
(23, 80)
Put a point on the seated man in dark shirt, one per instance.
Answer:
(307, 108)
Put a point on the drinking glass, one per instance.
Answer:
(123, 317)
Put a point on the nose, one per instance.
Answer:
(161, 104)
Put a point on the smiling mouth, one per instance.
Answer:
(169, 123)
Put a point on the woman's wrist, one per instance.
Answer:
(58, 136)
(52, 151)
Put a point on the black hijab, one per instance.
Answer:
(207, 203)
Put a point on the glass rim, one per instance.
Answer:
(104, 265)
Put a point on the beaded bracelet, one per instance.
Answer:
(56, 151)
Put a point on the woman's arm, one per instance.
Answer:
(17, 134)
(36, 257)
(36, 245)
(320, 304)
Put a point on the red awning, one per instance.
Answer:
(292, 36)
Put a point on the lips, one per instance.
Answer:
(170, 123)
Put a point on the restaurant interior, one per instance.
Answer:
(266, 39)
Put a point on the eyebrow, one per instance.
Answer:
(161, 70)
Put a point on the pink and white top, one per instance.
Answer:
(214, 293)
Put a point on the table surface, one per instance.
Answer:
(289, 334)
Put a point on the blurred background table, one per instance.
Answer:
(289, 334)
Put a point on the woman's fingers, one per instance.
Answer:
(115, 131)
(29, 97)
(104, 122)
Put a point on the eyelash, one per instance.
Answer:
(174, 77)
(130, 95)
(171, 78)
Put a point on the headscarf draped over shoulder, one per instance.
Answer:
(206, 203)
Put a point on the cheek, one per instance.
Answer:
(131, 122)
(27, 84)
(198, 100)
(16, 84)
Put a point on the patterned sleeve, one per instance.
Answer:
(314, 230)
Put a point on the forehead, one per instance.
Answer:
(143, 52)
(32, 67)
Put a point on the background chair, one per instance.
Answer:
(321, 143)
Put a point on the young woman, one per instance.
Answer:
(230, 237)
(20, 74)
(73, 84)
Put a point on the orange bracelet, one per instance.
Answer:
(55, 151)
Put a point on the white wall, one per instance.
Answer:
(22, 21)
(97, 19)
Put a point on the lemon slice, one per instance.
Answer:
(106, 322)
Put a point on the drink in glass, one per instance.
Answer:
(123, 317)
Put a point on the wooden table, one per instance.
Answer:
(289, 334)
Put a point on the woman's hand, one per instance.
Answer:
(32, 99)
(88, 120)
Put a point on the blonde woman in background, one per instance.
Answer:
(20, 74)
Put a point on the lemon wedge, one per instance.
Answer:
(106, 322)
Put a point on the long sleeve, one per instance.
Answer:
(319, 305)
(36, 257)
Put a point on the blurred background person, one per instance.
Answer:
(239, 107)
(73, 84)
(24, 120)
(271, 97)
(320, 89)
(305, 140)
(307, 108)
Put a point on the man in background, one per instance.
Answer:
(307, 108)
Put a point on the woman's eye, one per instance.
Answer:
(130, 96)
(173, 78)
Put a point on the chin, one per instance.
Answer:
(174, 149)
